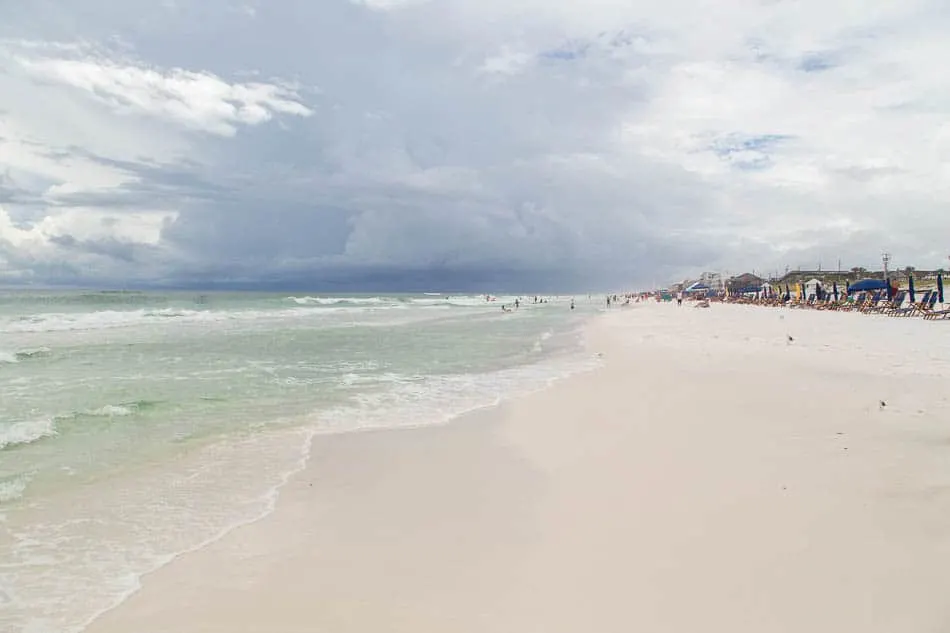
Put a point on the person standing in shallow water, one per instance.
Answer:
(572, 304)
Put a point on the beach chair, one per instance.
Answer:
(807, 303)
(872, 303)
(832, 304)
(928, 307)
(897, 308)
(923, 306)
(893, 304)
(853, 304)
(938, 315)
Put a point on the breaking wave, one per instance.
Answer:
(20, 433)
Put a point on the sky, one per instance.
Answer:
(463, 144)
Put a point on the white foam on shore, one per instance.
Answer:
(332, 301)
(118, 319)
(26, 432)
(429, 400)
(112, 411)
(13, 488)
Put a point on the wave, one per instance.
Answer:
(111, 319)
(13, 488)
(36, 352)
(301, 307)
(24, 354)
(121, 410)
(332, 301)
(110, 411)
(102, 319)
(428, 299)
(28, 432)
(539, 342)
(462, 301)
(20, 433)
(428, 399)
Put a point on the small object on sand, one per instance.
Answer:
(790, 339)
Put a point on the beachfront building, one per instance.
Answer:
(712, 280)
(742, 282)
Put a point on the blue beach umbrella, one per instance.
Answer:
(910, 288)
(940, 287)
(867, 284)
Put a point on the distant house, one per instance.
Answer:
(743, 281)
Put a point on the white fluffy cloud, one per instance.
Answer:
(196, 100)
(461, 142)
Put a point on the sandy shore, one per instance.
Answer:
(712, 476)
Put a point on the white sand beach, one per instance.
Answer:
(711, 476)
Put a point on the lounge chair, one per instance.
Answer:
(918, 308)
(886, 306)
(873, 302)
(853, 304)
(938, 315)
(898, 305)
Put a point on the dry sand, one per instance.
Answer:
(712, 476)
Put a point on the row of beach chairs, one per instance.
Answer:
(866, 303)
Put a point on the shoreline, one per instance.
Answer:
(313, 435)
(642, 480)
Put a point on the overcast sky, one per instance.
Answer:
(464, 143)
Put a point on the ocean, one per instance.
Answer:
(136, 426)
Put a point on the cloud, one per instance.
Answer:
(197, 100)
(460, 143)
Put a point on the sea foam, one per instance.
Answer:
(20, 433)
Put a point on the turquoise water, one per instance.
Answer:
(136, 426)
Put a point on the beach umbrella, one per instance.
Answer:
(940, 287)
(910, 288)
(867, 284)
(834, 289)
